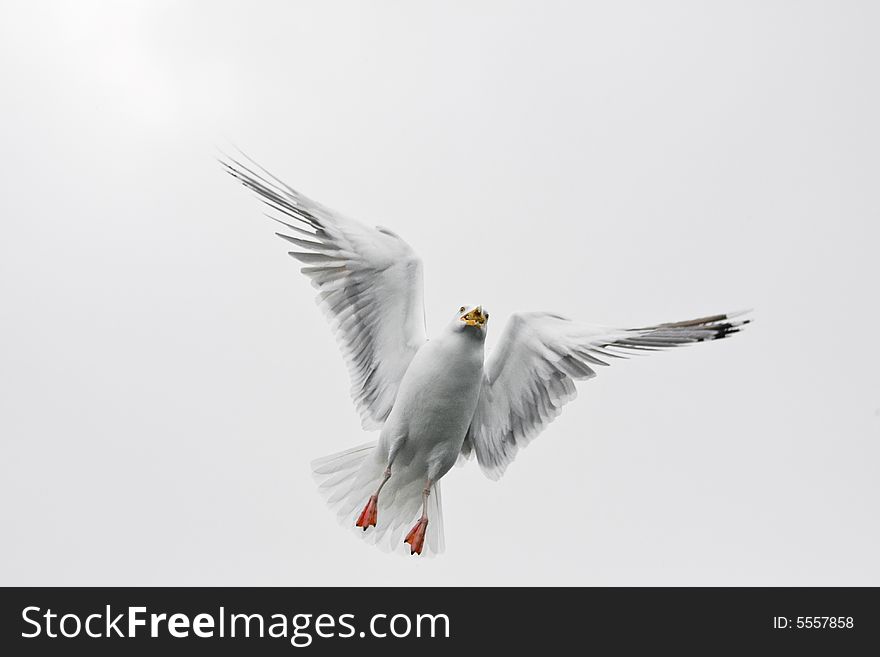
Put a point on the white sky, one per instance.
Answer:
(165, 378)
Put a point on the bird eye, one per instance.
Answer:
(461, 310)
(487, 315)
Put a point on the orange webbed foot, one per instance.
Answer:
(416, 536)
(370, 513)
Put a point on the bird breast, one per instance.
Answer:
(438, 394)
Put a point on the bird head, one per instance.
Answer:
(472, 316)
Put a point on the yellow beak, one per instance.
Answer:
(475, 317)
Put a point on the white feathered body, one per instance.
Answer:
(432, 411)
(434, 406)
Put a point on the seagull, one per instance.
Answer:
(437, 401)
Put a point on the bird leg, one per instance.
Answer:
(370, 513)
(416, 536)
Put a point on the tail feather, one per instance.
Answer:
(348, 459)
(348, 478)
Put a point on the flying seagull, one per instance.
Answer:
(435, 401)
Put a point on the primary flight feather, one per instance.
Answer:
(434, 401)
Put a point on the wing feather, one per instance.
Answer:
(532, 373)
(369, 282)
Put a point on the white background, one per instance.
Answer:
(165, 378)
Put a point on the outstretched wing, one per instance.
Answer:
(530, 375)
(369, 284)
